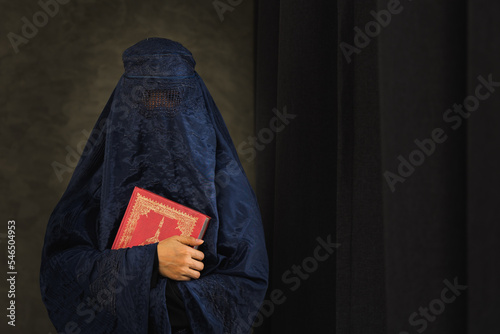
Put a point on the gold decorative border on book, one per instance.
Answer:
(143, 205)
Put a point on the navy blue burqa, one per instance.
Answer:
(161, 131)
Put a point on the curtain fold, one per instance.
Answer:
(483, 164)
(360, 267)
(392, 153)
(304, 209)
(422, 65)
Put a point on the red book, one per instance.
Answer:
(150, 218)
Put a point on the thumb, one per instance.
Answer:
(190, 241)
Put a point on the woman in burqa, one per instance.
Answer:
(160, 131)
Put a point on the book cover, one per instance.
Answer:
(150, 218)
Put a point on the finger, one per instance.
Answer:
(190, 241)
(197, 265)
(183, 278)
(193, 274)
(197, 255)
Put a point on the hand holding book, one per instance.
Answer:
(178, 260)
(150, 218)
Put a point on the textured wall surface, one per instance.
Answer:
(54, 88)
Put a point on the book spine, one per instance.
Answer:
(125, 217)
(203, 229)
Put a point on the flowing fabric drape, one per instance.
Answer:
(161, 131)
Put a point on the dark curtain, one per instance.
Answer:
(379, 188)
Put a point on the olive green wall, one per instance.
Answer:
(55, 87)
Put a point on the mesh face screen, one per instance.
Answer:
(158, 100)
